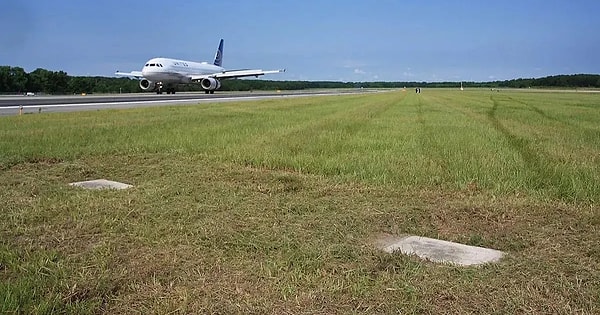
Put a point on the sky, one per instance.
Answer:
(335, 40)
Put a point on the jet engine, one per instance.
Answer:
(147, 85)
(210, 84)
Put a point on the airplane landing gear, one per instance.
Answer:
(168, 90)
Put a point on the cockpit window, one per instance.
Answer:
(147, 64)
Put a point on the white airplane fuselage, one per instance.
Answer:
(166, 73)
(173, 71)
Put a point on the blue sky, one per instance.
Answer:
(314, 40)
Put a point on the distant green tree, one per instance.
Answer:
(18, 79)
(39, 81)
(78, 85)
(5, 80)
(58, 82)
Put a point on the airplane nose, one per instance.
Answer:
(149, 71)
(153, 72)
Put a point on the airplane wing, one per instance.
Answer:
(235, 74)
(134, 74)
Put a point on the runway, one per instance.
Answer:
(12, 105)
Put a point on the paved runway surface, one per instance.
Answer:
(11, 105)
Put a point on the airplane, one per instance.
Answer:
(165, 73)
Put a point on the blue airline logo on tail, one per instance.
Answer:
(219, 55)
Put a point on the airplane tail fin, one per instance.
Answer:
(219, 55)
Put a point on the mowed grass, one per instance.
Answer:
(272, 206)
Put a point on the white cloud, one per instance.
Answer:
(359, 71)
(352, 64)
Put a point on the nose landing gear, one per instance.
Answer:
(170, 90)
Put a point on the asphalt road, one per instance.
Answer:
(12, 105)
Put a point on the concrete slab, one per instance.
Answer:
(101, 184)
(439, 251)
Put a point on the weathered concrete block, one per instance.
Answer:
(101, 184)
(439, 251)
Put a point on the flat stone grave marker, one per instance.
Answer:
(101, 184)
(439, 251)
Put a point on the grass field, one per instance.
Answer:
(271, 207)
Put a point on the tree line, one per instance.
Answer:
(15, 80)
